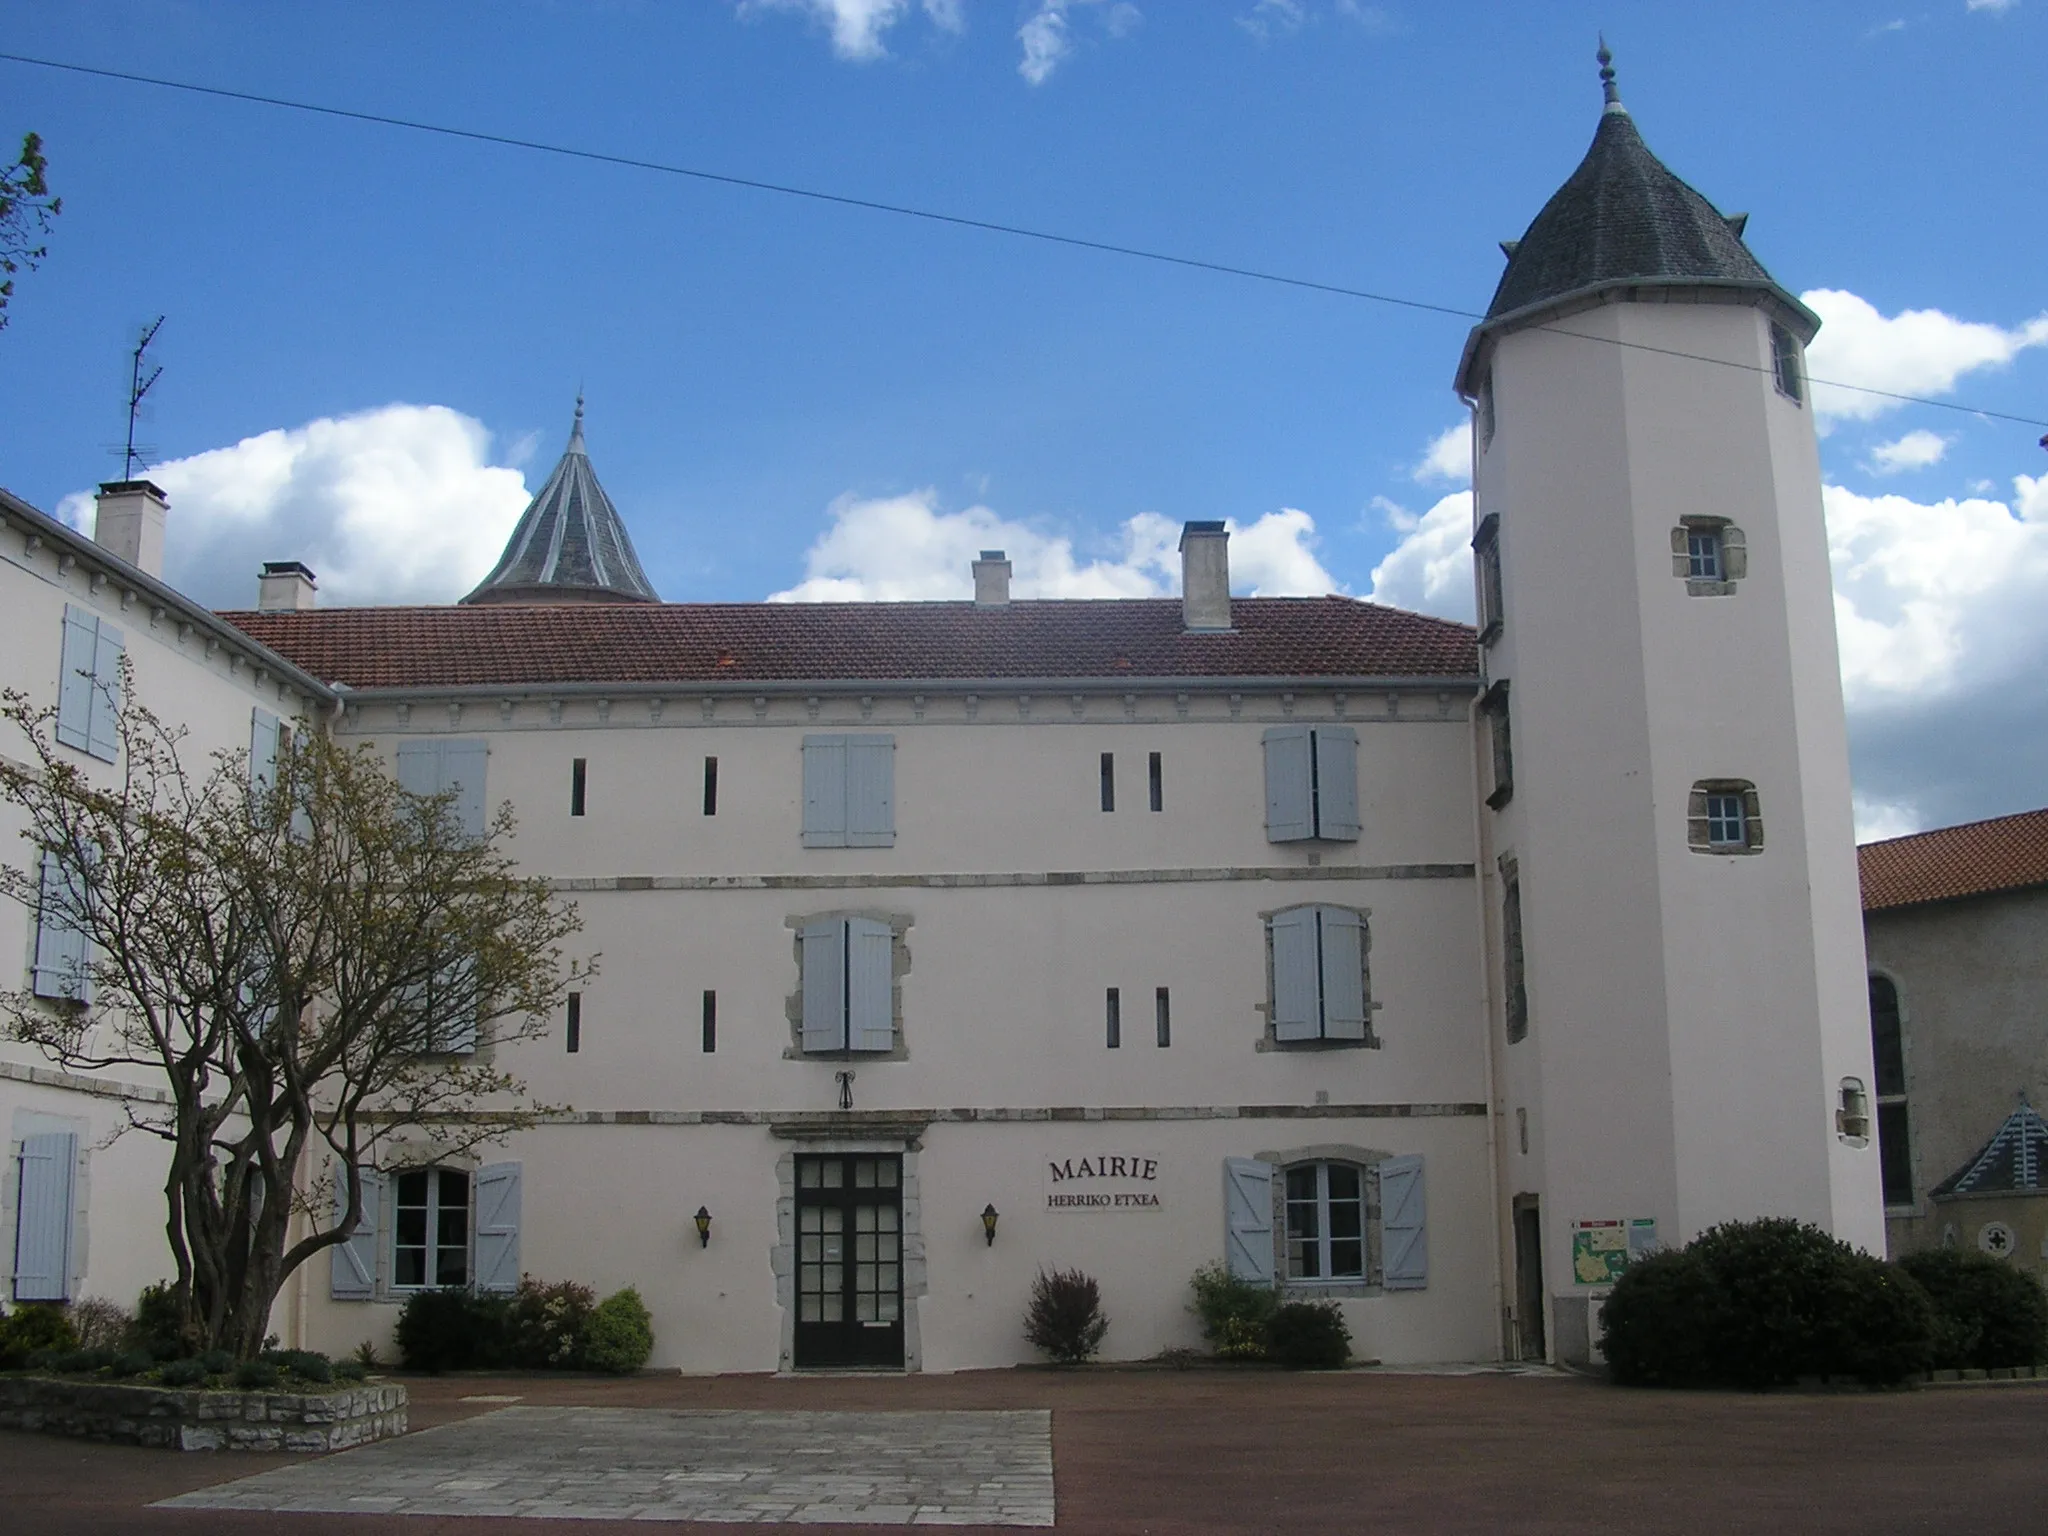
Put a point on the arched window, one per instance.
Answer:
(1894, 1142)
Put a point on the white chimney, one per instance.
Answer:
(129, 524)
(991, 579)
(284, 587)
(1205, 576)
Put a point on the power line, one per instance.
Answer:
(933, 216)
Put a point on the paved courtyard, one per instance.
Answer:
(904, 1468)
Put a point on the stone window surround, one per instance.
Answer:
(409, 1157)
(1493, 707)
(1486, 559)
(1266, 1040)
(1514, 959)
(1696, 818)
(900, 924)
(1734, 555)
(1367, 1161)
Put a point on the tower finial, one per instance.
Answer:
(576, 430)
(1609, 91)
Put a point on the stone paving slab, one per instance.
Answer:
(896, 1468)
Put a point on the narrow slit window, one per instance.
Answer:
(710, 1022)
(1109, 781)
(710, 786)
(573, 1031)
(1162, 1013)
(1154, 769)
(579, 775)
(1113, 1004)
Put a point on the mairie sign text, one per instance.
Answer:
(1104, 1181)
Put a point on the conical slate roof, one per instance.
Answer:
(2014, 1160)
(571, 545)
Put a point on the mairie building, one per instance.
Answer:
(1433, 970)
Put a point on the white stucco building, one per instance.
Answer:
(945, 942)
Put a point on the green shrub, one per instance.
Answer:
(306, 1363)
(181, 1373)
(34, 1328)
(75, 1361)
(548, 1324)
(132, 1362)
(453, 1330)
(619, 1334)
(1064, 1316)
(101, 1324)
(1663, 1323)
(218, 1362)
(1234, 1313)
(1989, 1313)
(1308, 1335)
(366, 1355)
(256, 1375)
(349, 1372)
(158, 1325)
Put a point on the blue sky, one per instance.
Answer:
(375, 336)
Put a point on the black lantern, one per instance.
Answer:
(988, 1223)
(703, 1220)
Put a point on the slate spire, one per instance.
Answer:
(570, 545)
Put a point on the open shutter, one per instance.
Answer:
(497, 1228)
(262, 750)
(74, 679)
(1404, 1233)
(1336, 748)
(1248, 1219)
(462, 770)
(42, 1234)
(1289, 813)
(870, 1003)
(1343, 974)
(1296, 1013)
(824, 963)
(824, 791)
(455, 1027)
(104, 731)
(60, 963)
(870, 791)
(419, 767)
(354, 1271)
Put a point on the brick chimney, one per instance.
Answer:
(129, 524)
(992, 580)
(1205, 576)
(285, 586)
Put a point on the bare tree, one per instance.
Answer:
(307, 958)
(26, 209)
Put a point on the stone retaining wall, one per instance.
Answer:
(192, 1420)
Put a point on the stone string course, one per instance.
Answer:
(192, 1420)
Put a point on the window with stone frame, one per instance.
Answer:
(1710, 555)
(1514, 974)
(1787, 371)
(430, 1231)
(1724, 816)
(1888, 1052)
(1486, 561)
(1484, 410)
(1326, 1222)
(1494, 708)
(1319, 983)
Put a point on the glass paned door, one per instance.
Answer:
(849, 1261)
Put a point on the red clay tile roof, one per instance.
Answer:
(2003, 854)
(520, 644)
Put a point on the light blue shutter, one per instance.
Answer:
(1289, 815)
(1343, 974)
(74, 678)
(1248, 1219)
(1404, 1234)
(1296, 1015)
(354, 1272)
(104, 730)
(61, 947)
(462, 770)
(455, 1028)
(870, 791)
(42, 1234)
(497, 1228)
(262, 750)
(1336, 783)
(824, 962)
(824, 791)
(870, 995)
(419, 767)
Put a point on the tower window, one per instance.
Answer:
(578, 776)
(1710, 555)
(1495, 708)
(1722, 816)
(1484, 410)
(1486, 556)
(1703, 547)
(1514, 970)
(1887, 1049)
(1785, 365)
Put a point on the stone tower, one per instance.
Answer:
(1676, 952)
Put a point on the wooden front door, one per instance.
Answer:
(849, 1270)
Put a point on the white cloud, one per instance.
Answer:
(1995, 7)
(1919, 449)
(1448, 458)
(1430, 570)
(857, 26)
(1048, 36)
(396, 505)
(1915, 352)
(898, 548)
(1274, 18)
(1877, 820)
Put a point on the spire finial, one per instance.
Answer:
(576, 430)
(1609, 91)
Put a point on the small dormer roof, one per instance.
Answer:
(571, 545)
(2013, 1161)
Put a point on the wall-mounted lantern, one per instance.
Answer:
(703, 1220)
(988, 1223)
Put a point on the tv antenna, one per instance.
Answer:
(138, 386)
